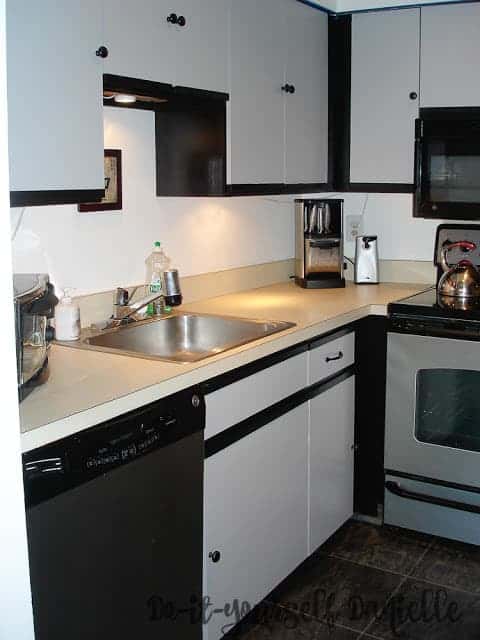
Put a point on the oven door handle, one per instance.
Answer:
(397, 490)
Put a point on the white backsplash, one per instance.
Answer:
(98, 252)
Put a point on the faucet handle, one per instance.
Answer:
(121, 297)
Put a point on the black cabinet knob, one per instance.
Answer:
(214, 556)
(102, 52)
(174, 19)
(413, 95)
(288, 88)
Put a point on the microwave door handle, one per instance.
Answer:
(419, 196)
(398, 490)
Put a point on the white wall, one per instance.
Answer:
(96, 252)
(401, 236)
(16, 621)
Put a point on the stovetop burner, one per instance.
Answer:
(429, 303)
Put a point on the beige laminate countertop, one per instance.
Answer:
(87, 387)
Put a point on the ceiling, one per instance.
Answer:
(348, 6)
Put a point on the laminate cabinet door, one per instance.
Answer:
(203, 44)
(331, 458)
(141, 43)
(255, 517)
(306, 124)
(257, 103)
(384, 96)
(449, 56)
(55, 96)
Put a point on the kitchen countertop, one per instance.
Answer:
(87, 387)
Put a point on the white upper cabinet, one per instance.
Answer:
(141, 42)
(306, 150)
(257, 107)
(55, 95)
(450, 51)
(279, 93)
(202, 44)
(384, 101)
(182, 43)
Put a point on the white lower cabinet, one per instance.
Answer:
(255, 528)
(331, 458)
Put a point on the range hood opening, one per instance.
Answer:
(190, 133)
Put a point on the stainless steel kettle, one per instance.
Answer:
(461, 280)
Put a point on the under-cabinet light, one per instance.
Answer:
(124, 98)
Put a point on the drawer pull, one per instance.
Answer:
(339, 356)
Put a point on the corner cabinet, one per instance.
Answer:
(384, 97)
(184, 43)
(55, 111)
(449, 56)
(279, 94)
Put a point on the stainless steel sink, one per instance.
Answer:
(186, 337)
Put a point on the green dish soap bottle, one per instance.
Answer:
(157, 262)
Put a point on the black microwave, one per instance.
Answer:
(447, 163)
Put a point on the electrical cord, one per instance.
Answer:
(19, 222)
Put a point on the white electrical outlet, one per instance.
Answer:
(353, 227)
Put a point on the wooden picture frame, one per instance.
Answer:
(112, 201)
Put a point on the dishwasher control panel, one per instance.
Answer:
(69, 462)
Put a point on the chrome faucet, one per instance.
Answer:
(124, 310)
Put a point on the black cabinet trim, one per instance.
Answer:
(225, 379)
(239, 431)
(333, 335)
(380, 187)
(339, 90)
(151, 89)
(43, 198)
(276, 189)
(371, 365)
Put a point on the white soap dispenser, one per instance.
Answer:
(67, 318)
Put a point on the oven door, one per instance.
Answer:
(433, 408)
(448, 164)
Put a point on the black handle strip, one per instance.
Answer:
(397, 490)
(339, 356)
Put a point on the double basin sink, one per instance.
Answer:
(183, 337)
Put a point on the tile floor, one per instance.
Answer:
(376, 582)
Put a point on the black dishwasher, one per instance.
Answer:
(114, 520)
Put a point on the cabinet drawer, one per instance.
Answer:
(333, 356)
(252, 394)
